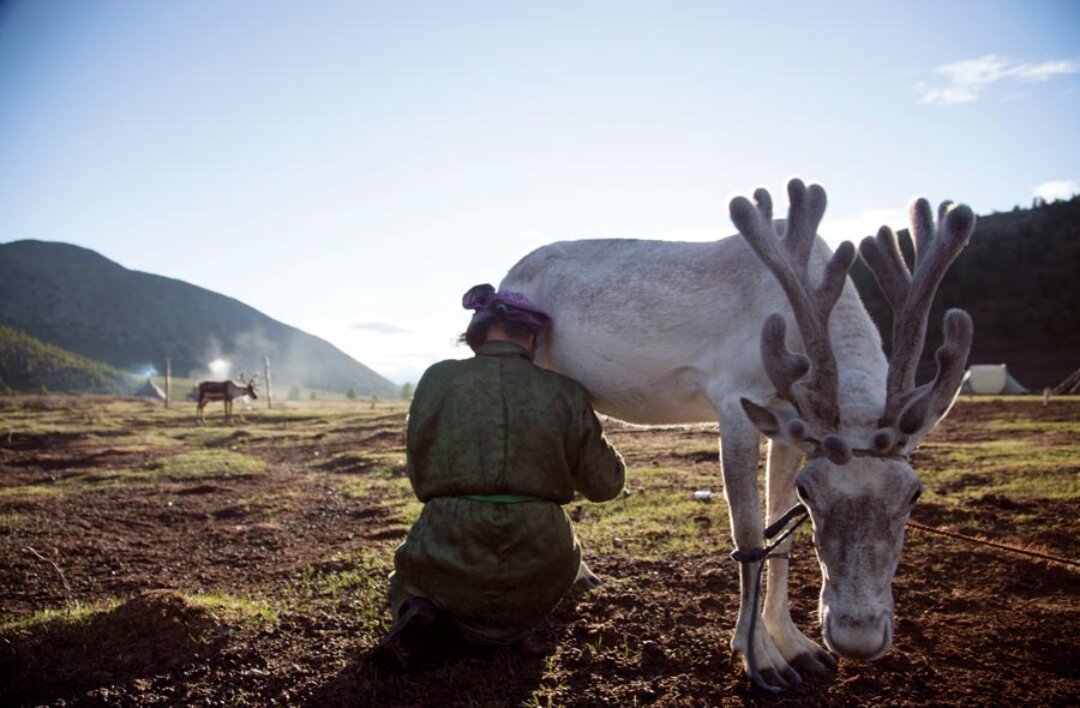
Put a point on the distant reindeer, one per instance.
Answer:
(766, 334)
(223, 391)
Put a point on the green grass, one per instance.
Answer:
(74, 615)
(357, 578)
(386, 488)
(268, 502)
(377, 463)
(31, 490)
(1017, 467)
(658, 518)
(210, 463)
(1038, 426)
(245, 611)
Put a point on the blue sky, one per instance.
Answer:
(351, 168)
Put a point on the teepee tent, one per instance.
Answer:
(991, 379)
(150, 390)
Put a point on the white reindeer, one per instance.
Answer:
(663, 332)
(223, 391)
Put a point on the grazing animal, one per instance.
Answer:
(766, 334)
(223, 391)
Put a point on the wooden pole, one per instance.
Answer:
(269, 393)
(168, 380)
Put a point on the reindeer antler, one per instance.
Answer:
(910, 295)
(815, 398)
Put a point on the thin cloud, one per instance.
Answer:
(965, 80)
(379, 328)
(1056, 189)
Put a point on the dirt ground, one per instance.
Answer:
(975, 625)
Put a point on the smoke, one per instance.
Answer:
(296, 360)
(219, 368)
(234, 356)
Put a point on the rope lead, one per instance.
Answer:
(775, 534)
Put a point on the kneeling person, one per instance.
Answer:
(495, 446)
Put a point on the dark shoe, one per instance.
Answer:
(415, 616)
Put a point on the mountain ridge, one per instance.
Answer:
(81, 301)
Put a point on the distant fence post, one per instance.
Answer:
(168, 380)
(269, 392)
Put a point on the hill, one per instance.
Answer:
(1018, 278)
(27, 365)
(79, 300)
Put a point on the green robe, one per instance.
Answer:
(498, 425)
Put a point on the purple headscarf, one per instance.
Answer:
(490, 305)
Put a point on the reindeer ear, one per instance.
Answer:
(762, 418)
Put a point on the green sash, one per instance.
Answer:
(501, 498)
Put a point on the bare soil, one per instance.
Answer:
(975, 625)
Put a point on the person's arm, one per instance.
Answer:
(599, 472)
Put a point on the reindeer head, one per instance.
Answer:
(251, 384)
(857, 484)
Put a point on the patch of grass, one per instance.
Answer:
(77, 614)
(210, 463)
(245, 611)
(1037, 426)
(660, 516)
(358, 578)
(1017, 467)
(268, 502)
(387, 464)
(308, 416)
(112, 478)
(144, 440)
(393, 491)
(23, 491)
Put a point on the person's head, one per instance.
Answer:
(502, 316)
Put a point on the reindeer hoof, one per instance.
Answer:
(768, 680)
(586, 579)
(821, 662)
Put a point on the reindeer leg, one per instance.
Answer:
(797, 649)
(739, 457)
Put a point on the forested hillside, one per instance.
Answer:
(1019, 278)
(28, 365)
(83, 302)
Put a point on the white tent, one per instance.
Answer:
(150, 390)
(991, 379)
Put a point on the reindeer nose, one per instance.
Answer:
(864, 639)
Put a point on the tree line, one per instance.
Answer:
(28, 365)
(1019, 279)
